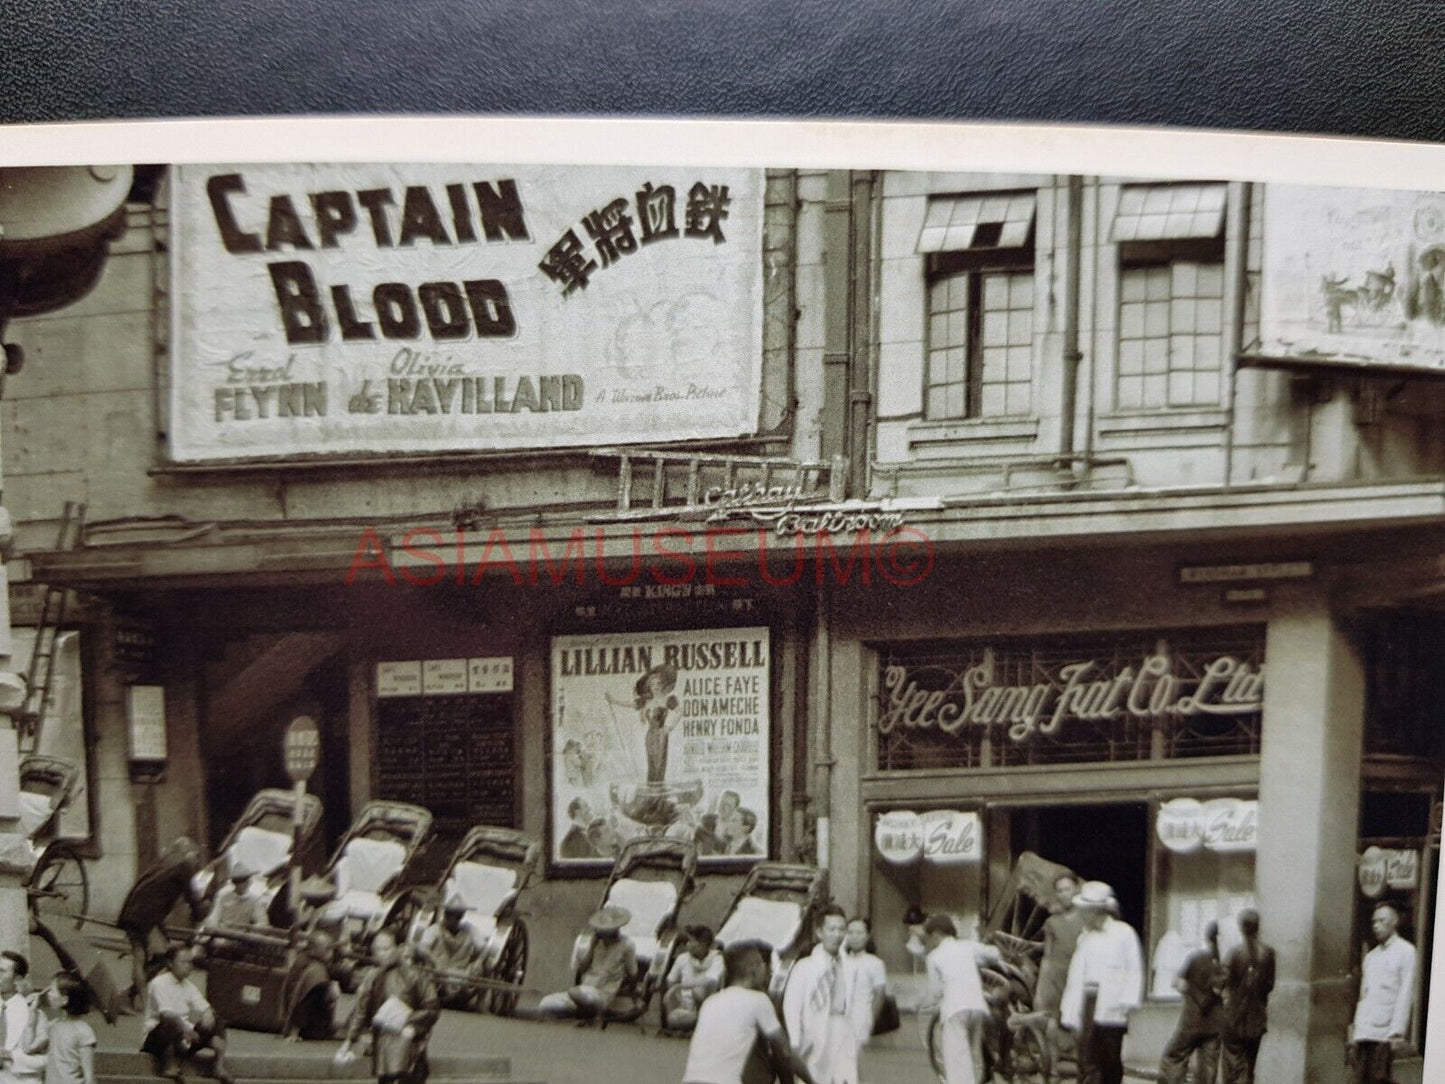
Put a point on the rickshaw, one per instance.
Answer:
(57, 886)
(488, 872)
(1015, 1036)
(370, 871)
(261, 841)
(778, 904)
(651, 879)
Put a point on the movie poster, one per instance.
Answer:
(660, 734)
(326, 308)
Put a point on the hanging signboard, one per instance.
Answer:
(951, 838)
(662, 734)
(1224, 825)
(417, 308)
(1386, 867)
(1372, 866)
(898, 835)
(1354, 275)
(945, 837)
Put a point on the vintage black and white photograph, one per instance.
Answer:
(488, 619)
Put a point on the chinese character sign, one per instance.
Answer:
(415, 308)
(661, 734)
(1354, 275)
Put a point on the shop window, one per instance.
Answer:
(1209, 878)
(1171, 295)
(980, 253)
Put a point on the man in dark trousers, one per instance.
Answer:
(1201, 1017)
(1248, 980)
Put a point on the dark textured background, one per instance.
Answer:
(1339, 66)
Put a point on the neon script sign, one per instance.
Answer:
(1083, 690)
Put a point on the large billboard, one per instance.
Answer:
(1354, 275)
(661, 734)
(422, 308)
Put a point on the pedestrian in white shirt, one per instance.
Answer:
(1387, 991)
(17, 1065)
(820, 1003)
(955, 986)
(734, 1021)
(696, 975)
(1109, 963)
(179, 1021)
(872, 977)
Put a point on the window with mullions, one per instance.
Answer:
(1171, 295)
(980, 253)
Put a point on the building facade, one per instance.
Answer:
(962, 516)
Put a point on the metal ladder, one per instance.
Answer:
(53, 604)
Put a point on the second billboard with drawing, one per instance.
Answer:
(661, 734)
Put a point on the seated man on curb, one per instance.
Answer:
(179, 1021)
(309, 993)
(608, 961)
(696, 973)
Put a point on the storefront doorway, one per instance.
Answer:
(1099, 842)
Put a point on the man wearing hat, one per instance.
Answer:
(1108, 964)
(448, 945)
(608, 960)
(237, 907)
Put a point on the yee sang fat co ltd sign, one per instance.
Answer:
(417, 308)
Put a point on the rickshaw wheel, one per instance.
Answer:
(60, 887)
(512, 967)
(1029, 1057)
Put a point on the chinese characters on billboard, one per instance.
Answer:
(414, 308)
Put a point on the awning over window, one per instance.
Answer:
(955, 223)
(1169, 212)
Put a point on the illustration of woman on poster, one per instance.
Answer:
(653, 699)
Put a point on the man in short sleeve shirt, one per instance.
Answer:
(732, 1022)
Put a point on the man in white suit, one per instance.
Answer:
(1387, 990)
(1109, 964)
(823, 1003)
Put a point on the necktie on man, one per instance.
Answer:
(838, 993)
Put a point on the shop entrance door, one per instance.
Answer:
(1107, 843)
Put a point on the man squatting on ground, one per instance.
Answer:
(695, 976)
(609, 961)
